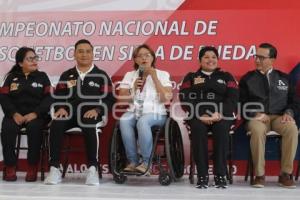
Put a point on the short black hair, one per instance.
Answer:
(83, 41)
(204, 49)
(272, 49)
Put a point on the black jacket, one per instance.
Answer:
(26, 94)
(220, 88)
(276, 97)
(96, 88)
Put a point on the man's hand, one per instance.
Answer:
(29, 117)
(91, 114)
(18, 118)
(61, 113)
(262, 117)
(287, 118)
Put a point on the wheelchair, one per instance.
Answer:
(167, 148)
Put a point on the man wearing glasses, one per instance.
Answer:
(272, 104)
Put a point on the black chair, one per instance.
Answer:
(229, 173)
(44, 148)
(69, 148)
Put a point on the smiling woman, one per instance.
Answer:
(211, 108)
(24, 85)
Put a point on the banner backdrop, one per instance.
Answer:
(175, 35)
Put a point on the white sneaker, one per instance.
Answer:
(92, 176)
(54, 176)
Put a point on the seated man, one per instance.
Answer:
(271, 91)
(81, 95)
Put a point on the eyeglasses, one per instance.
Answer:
(260, 58)
(146, 55)
(31, 59)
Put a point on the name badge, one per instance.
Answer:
(71, 83)
(199, 80)
(14, 86)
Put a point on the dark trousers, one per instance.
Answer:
(57, 130)
(34, 138)
(220, 135)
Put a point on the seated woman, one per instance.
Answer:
(25, 100)
(210, 95)
(146, 89)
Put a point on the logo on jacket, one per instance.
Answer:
(282, 85)
(199, 80)
(221, 81)
(35, 85)
(93, 84)
(14, 86)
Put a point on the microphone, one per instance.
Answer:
(141, 71)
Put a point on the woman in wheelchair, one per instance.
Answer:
(25, 100)
(210, 95)
(145, 90)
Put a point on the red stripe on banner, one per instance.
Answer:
(4, 90)
(232, 84)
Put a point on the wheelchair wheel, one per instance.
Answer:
(174, 149)
(120, 179)
(117, 155)
(164, 179)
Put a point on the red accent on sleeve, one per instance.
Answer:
(4, 90)
(232, 84)
(185, 85)
(106, 88)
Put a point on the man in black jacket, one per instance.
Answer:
(272, 104)
(82, 97)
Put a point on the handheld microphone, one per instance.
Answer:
(141, 71)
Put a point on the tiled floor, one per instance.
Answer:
(73, 187)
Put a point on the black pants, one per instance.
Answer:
(8, 139)
(57, 130)
(220, 136)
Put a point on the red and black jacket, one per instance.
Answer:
(218, 88)
(25, 94)
(96, 88)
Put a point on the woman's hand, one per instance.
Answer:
(138, 84)
(206, 119)
(30, 116)
(216, 117)
(150, 71)
(18, 118)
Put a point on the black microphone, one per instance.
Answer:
(141, 71)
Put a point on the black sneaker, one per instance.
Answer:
(202, 182)
(220, 182)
